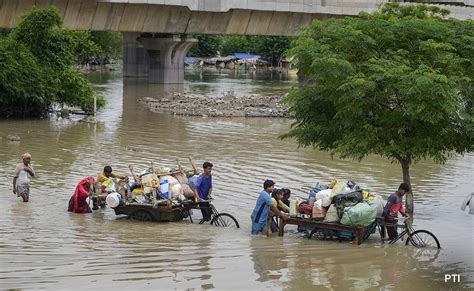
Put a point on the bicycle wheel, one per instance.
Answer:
(423, 239)
(224, 220)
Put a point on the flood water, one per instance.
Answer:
(43, 246)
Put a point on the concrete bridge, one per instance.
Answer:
(156, 31)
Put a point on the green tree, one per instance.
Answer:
(207, 46)
(110, 43)
(396, 83)
(273, 47)
(36, 61)
(84, 45)
(23, 86)
(4, 31)
(234, 43)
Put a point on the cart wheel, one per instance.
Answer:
(225, 220)
(423, 239)
(141, 215)
(320, 234)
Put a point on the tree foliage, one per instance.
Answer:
(84, 45)
(36, 60)
(110, 43)
(272, 47)
(23, 86)
(207, 46)
(234, 43)
(396, 83)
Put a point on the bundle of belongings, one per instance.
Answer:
(339, 202)
(154, 186)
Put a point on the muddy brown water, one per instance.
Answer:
(43, 246)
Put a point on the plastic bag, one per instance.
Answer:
(323, 193)
(341, 201)
(171, 180)
(326, 201)
(313, 192)
(362, 214)
(377, 199)
(331, 215)
(318, 203)
(176, 190)
(338, 188)
(294, 203)
(187, 191)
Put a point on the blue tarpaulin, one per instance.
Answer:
(189, 60)
(244, 56)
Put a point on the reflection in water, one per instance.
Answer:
(43, 246)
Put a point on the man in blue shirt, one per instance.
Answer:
(203, 191)
(262, 208)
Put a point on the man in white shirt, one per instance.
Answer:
(21, 180)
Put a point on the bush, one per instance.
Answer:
(36, 60)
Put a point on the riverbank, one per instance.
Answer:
(248, 148)
(218, 106)
(88, 68)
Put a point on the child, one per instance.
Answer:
(286, 196)
(277, 202)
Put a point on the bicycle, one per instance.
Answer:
(217, 219)
(418, 238)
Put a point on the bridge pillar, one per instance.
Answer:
(135, 57)
(160, 58)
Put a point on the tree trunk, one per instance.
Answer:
(406, 179)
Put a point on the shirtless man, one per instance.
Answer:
(21, 180)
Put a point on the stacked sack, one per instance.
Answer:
(179, 186)
(339, 202)
(185, 183)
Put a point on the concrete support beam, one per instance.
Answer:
(135, 58)
(160, 58)
(166, 57)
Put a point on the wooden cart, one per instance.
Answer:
(356, 230)
(146, 212)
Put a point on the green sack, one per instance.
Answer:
(361, 214)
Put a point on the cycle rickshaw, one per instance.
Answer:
(418, 238)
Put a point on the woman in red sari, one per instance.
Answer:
(78, 203)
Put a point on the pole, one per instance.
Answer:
(95, 107)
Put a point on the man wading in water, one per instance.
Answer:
(21, 179)
(262, 209)
(203, 191)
